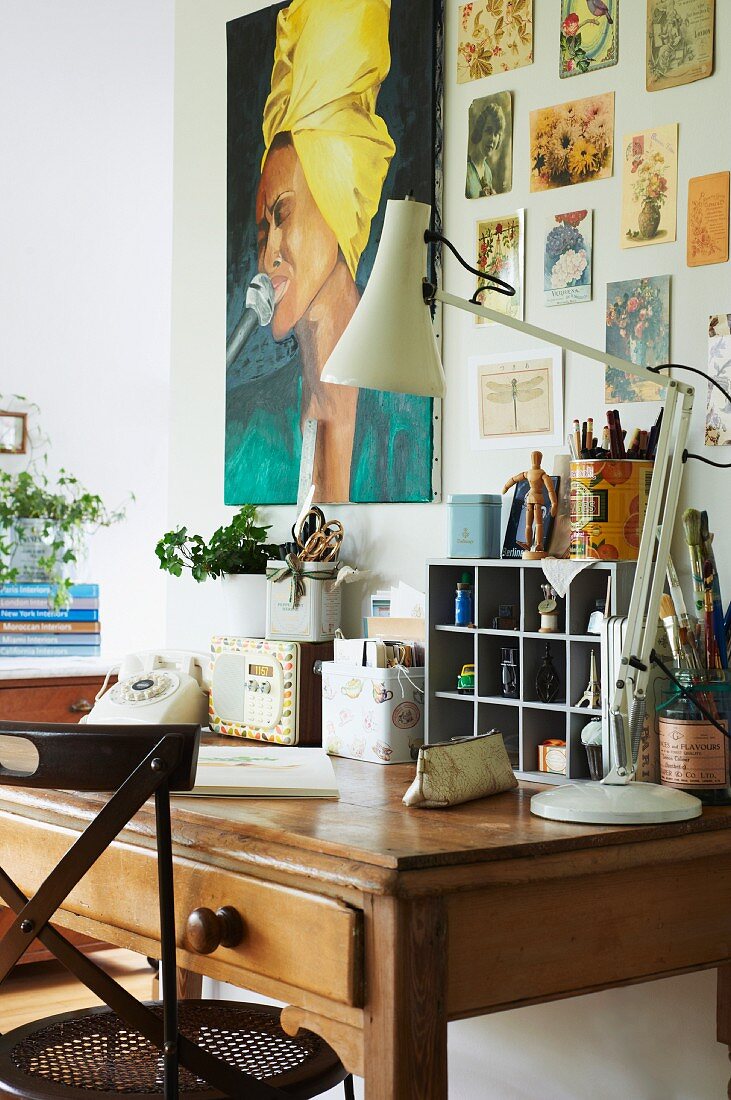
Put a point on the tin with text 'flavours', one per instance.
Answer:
(608, 504)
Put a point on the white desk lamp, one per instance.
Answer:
(390, 345)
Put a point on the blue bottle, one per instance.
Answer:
(463, 604)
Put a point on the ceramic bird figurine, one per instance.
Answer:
(598, 7)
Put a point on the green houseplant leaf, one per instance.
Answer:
(238, 547)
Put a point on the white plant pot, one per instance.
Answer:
(29, 548)
(245, 604)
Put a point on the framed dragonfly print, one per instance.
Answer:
(517, 400)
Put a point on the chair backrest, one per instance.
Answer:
(135, 762)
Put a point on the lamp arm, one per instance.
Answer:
(550, 337)
(500, 287)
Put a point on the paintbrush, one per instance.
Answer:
(672, 628)
(718, 626)
(713, 658)
(692, 525)
(687, 632)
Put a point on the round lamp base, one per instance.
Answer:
(602, 804)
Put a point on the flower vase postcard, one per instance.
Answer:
(718, 409)
(638, 330)
(708, 210)
(679, 42)
(517, 399)
(494, 37)
(490, 146)
(572, 142)
(589, 35)
(567, 259)
(650, 187)
(500, 252)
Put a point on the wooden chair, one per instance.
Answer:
(192, 1050)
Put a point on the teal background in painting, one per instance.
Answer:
(393, 445)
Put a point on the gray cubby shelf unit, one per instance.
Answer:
(525, 722)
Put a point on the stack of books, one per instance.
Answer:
(30, 626)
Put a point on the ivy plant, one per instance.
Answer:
(239, 547)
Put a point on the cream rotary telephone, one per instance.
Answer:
(156, 687)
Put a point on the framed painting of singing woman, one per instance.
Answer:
(333, 108)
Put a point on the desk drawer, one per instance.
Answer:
(290, 936)
(62, 702)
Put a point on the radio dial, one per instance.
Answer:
(266, 687)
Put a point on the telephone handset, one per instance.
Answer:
(167, 686)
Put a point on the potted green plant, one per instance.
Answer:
(44, 527)
(237, 553)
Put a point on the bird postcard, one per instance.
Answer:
(589, 36)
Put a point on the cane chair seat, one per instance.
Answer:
(95, 1054)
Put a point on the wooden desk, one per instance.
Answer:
(378, 924)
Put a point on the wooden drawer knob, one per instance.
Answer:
(81, 706)
(206, 930)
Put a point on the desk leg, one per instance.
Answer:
(405, 1033)
(723, 1010)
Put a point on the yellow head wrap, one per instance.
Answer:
(330, 60)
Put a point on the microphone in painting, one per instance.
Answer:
(257, 312)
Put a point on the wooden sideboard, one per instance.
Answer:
(47, 699)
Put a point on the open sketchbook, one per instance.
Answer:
(278, 771)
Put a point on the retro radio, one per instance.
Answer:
(267, 690)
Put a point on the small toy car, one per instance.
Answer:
(466, 680)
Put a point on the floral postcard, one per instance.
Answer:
(572, 142)
(494, 37)
(718, 410)
(517, 399)
(500, 252)
(490, 146)
(589, 35)
(708, 211)
(679, 42)
(650, 187)
(567, 258)
(638, 330)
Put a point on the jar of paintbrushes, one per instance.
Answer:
(694, 713)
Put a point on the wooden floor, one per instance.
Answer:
(44, 988)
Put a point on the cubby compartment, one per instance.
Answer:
(506, 719)
(580, 674)
(449, 651)
(498, 592)
(489, 666)
(533, 595)
(534, 655)
(450, 718)
(525, 721)
(539, 725)
(442, 595)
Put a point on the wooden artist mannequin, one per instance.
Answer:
(536, 478)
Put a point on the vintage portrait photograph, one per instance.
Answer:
(589, 35)
(649, 187)
(567, 258)
(494, 36)
(637, 329)
(572, 142)
(490, 146)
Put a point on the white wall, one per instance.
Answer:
(86, 89)
(550, 1051)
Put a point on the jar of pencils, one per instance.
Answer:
(694, 752)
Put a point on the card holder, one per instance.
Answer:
(458, 771)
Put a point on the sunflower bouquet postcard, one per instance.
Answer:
(572, 142)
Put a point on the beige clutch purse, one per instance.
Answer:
(457, 771)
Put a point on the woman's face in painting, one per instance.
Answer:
(296, 247)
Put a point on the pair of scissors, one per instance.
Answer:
(316, 538)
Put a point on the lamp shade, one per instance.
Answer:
(389, 343)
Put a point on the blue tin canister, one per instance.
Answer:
(474, 525)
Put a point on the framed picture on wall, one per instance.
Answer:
(516, 399)
(13, 433)
(318, 141)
